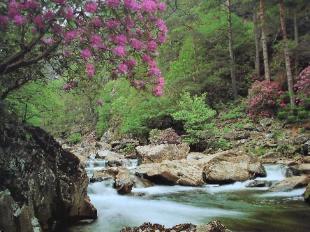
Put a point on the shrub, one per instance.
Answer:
(235, 113)
(263, 100)
(74, 138)
(196, 116)
(302, 88)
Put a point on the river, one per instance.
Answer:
(238, 207)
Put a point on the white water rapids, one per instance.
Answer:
(116, 211)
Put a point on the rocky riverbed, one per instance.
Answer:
(195, 188)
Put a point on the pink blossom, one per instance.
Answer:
(131, 5)
(112, 23)
(96, 22)
(158, 90)
(38, 21)
(86, 53)
(136, 44)
(155, 71)
(162, 37)
(48, 15)
(71, 35)
(19, 20)
(152, 46)
(146, 58)
(122, 68)
(120, 39)
(119, 51)
(69, 14)
(96, 41)
(113, 3)
(161, 25)
(90, 70)
(131, 63)
(90, 7)
(160, 81)
(162, 6)
(149, 6)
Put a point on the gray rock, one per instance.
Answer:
(49, 183)
(291, 183)
(158, 153)
(307, 194)
(259, 183)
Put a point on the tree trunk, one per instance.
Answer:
(286, 54)
(295, 28)
(231, 51)
(264, 40)
(257, 48)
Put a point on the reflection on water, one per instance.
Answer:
(240, 208)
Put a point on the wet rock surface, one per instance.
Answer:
(41, 184)
(214, 226)
(199, 169)
(291, 183)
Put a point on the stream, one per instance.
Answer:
(238, 207)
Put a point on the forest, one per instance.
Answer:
(154, 115)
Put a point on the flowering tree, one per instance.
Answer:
(263, 99)
(122, 34)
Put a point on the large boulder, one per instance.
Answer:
(198, 168)
(158, 153)
(123, 181)
(301, 169)
(229, 166)
(42, 185)
(291, 183)
(179, 172)
(307, 194)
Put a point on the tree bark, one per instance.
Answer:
(231, 51)
(257, 48)
(264, 40)
(295, 28)
(286, 54)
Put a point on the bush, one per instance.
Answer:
(302, 88)
(196, 116)
(235, 113)
(74, 138)
(263, 100)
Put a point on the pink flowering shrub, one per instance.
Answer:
(263, 99)
(302, 86)
(122, 34)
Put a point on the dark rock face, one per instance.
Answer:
(307, 194)
(41, 185)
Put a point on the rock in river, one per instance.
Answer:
(158, 153)
(197, 169)
(291, 183)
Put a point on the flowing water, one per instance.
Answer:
(238, 207)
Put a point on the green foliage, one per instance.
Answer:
(74, 138)
(298, 114)
(127, 110)
(221, 143)
(196, 116)
(236, 112)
